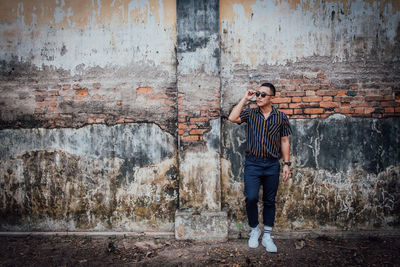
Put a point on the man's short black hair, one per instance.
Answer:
(270, 86)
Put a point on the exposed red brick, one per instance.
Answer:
(201, 119)
(321, 75)
(300, 116)
(369, 110)
(186, 126)
(158, 96)
(97, 97)
(53, 104)
(190, 138)
(297, 111)
(283, 105)
(310, 87)
(327, 98)
(144, 90)
(310, 93)
(343, 98)
(341, 92)
(389, 110)
(313, 110)
(119, 102)
(328, 104)
(296, 81)
(42, 104)
(289, 87)
(183, 114)
(378, 98)
(210, 113)
(359, 110)
(82, 91)
(327, 92)
(51, 98)
(297, 105)
(287, 111)
(54, 110)
(345, 104)
(389, 104)
(346, 110)
(169, 102)
(296, 99)
(198, 131)
(296, 93)
(312, 99)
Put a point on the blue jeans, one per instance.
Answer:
(257, 172)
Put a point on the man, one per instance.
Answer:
(268, 133)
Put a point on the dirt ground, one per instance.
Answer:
(145, 251)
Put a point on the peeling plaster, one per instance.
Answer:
(96, 41)
(345, 175)
(97, 178)
(264, 32)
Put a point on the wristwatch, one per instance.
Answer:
(287, 163)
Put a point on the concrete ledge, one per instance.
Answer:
(232, 235)
(318, 233)
(135, 234)
(201, 226)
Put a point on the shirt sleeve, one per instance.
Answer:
(286, 130)
(244, 115)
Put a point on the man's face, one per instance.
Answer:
(264, 101)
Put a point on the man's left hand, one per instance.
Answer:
(286, 172)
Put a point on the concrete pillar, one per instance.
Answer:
(199, 216)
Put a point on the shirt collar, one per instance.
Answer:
(273, 111)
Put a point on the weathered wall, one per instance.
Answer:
(138, 93)
(96, 177)
(70, 63)
(103, 73)
(345, 175)
(198, 105)
(330, 60)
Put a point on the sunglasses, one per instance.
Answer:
(263, 94)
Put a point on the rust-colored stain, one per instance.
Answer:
(227, 6)
(82, 14)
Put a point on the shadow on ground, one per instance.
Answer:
(144, 251)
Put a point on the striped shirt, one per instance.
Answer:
(264, 135)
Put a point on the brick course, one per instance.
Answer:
(318, 97)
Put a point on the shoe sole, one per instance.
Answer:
(253, 247)
(271, 251)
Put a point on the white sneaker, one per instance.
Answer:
(269, 245)
(254, 236)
